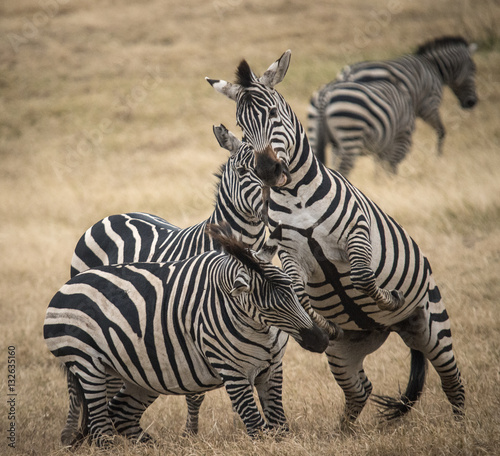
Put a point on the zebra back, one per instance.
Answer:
(141, 237)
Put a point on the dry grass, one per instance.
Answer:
(105, 110)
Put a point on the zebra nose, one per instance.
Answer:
(314, 339)
(469, 103)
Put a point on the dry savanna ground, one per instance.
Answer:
(104, 109)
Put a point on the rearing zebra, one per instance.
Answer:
(360, 268)
(443, 61)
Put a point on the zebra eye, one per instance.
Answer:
(273, 112)
(241, 170)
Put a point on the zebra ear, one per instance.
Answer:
(269, 249)
(224, 87)
(277, 71)
(241, 284)
(473, 48)
(226, 139)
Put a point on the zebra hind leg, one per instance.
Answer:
(428, 331)
(193, 402)
(75, 430)
(126, 410)
(345, 359)
(92, 381)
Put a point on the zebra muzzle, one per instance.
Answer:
(270, 169)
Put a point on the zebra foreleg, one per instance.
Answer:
(298, 277)
(433, 119)
(359, 251)
(269, 386)
(240, 392)
(193, 402)
(126, 410)
(428, 330)
(345, 359)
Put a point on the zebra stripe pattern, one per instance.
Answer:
(140, 237)
(418, 78)
(216, 319)
(360, 268)
(357, 117)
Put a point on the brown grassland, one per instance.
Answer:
(104, 109)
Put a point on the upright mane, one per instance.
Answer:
(218, 175)
(439, 43)
(223, 235)
(244, 75)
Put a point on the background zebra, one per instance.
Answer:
(344, 246)
(356, 117)
(140, 237)
(443, 61)
(179, 328)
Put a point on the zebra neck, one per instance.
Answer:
(304, 167)
(438, 66)
(252, 232)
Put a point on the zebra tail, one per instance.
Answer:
(393, 408)
(76, 429)
(321, 135)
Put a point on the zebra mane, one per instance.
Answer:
(223, 236)
(244, 75)
(218, 175)
(439, 43)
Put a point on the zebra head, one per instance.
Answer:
(263, 115)
(265, 292)
(452, 57)
(239, 182)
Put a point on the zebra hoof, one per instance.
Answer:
(394, 301)
(335, 331)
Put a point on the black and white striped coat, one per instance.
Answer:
(422, 76)
(360, 268)
(356, 117)
(141, 237)
(124, 238)
(179, 328)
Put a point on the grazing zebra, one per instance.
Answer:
(140, 237)
(215, 319)
(443, 61)
(356, 117)
(359, 267)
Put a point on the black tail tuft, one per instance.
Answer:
(393, 408)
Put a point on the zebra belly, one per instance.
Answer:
(335, 298)
(173, 366)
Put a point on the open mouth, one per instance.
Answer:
(283, 180)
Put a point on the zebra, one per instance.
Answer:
(421, 75)
(374, 116)
(360, 268)
(221, 318)
(142, 237)
(124, 238)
